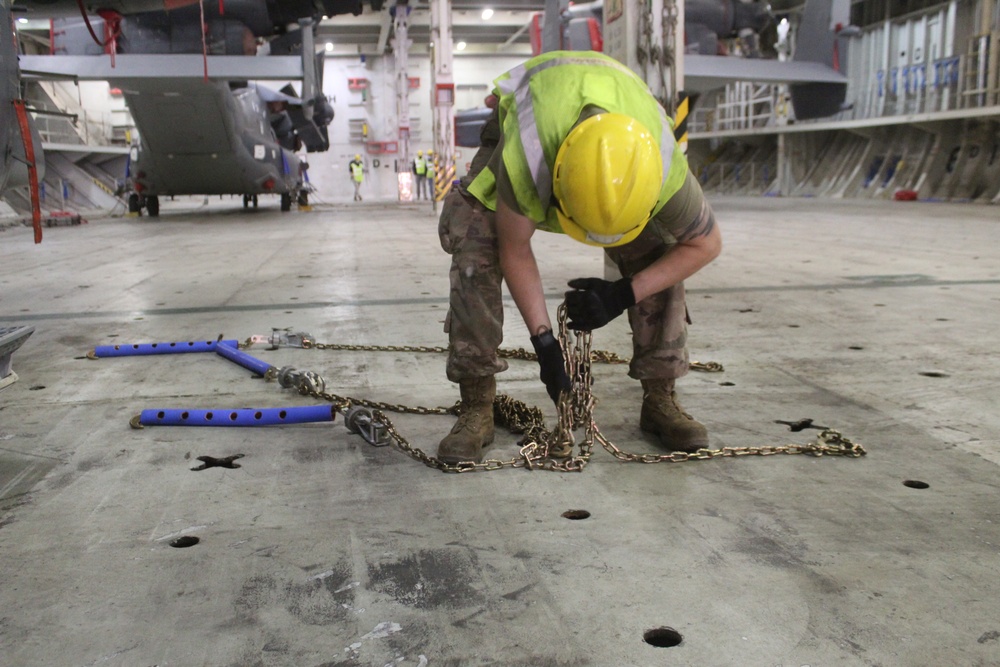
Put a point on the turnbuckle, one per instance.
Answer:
(284, 338)
(361, 420)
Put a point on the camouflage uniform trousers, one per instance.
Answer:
(474, 324)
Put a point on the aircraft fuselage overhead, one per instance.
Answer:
(281, 11)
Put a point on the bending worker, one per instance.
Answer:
(578, 145)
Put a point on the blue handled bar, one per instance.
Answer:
(160, 348)
(238, 416)
(236, 355)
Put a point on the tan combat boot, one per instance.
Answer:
(663, 416)
(474, 429)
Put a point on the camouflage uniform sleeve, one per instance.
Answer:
(687, 214)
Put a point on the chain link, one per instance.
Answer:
(668, 69)
(658, 53)
(542, 449)
(596, 356)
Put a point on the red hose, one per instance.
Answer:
(29, 153)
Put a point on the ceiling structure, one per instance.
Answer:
(505, 31)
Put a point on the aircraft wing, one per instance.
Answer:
(703, 73)
(166, 66)
(270, 95)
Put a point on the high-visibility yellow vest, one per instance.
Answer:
(357, 171)
(541, 101)
(420, 166)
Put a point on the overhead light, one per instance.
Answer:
(487, 14)
(22, 20)
(329, 47)
(460, 46)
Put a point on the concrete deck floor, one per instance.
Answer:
(875, 318)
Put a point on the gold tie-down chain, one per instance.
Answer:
(596, 356)
(556, 449)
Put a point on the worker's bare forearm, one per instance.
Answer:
(520, 269)
(697, 246)
(525, 285)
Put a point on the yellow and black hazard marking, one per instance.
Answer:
(681, 121)
(442, 181)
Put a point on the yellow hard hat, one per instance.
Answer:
(607, 179)
(419, 153)
(357, 156)
(430, 152)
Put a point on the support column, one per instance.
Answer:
(443, 102)
(989, 53)
(552, 25)
(677, 43)
(310, 87)
(782, 182)
(400, 50)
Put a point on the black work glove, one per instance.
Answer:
(595, 302)
(550, 359)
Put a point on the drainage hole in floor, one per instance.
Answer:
(185, 542)
(855, 347)
(933, 374)
(662, 637)
(916, 484)
(575, 515)
(727, 384)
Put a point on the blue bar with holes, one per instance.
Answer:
(160, 348)
(238, 416)
(237, 356)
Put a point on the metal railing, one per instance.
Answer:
(61, 127)
(967, 78)
(742, 105)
